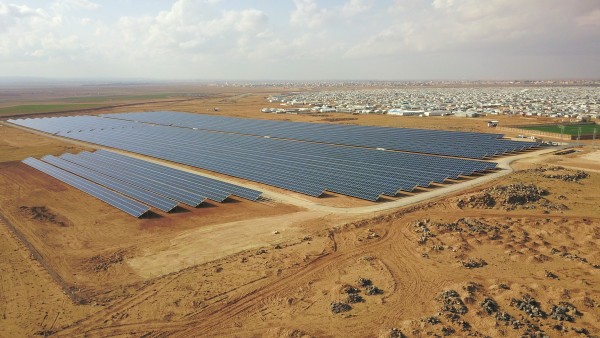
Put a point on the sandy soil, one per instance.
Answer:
(272, 269)
(589, 160)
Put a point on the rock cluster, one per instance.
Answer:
(474, 263)
(396, 333)
(489, 306)
(452, 303)
(364, 282)
(569, 176)
(530, 306)
(421, 227)
(550, 274)
(564, 312)
(492, 308)
(518, 193)
(483, 200)
(338, 307)
(353, 296)
(472, 226)
(508, 196)
(447, 331)
(372, 290)
(568, 255)
(433, 320)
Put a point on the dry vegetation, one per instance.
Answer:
(525, 264)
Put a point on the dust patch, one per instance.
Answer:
(43, 214)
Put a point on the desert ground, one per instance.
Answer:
(512, 253)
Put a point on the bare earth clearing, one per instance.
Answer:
(507, 257)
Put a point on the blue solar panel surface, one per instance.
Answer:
(145, 196)
(136, 179)
(190, 178)
(439, 142)
(69, 124)
(305, 167)
(119, 201)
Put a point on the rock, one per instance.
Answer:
(433, 320)
(489, 305)
(363, 282)
(338, 307)
(574, 177)
(530, 306)
(447, 331)
(372, 290)
(508, 196)
(474, 263)
(452, 303)
(472, 287)
(350, 289)
(564, 312)
(421, 226)
(508, 320)
(354, 298)
(396, 333)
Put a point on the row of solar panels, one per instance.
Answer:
(460, 144)
(68, 124)
(439, 142)
(308, 168)
(150, 183)
(117, 200)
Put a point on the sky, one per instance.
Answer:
(301, 39)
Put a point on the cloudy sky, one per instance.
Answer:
(301, 39)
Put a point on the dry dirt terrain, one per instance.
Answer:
(515, 256)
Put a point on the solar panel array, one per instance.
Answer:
(111, 176)
(438, 142)
(69, 124)
(119, 201)
(304, 167)
(145, 196)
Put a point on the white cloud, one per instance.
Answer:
(309, 14)
(11, 15)
(19, 11)
(464, 25)
(355, 7)
(76, 4)
(210, 38)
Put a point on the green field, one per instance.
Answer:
(43, 108)
(76, 103)
(568, 129)
(121, 98)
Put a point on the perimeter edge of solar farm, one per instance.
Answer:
(363, 162)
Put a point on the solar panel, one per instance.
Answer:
(309, 168)
(140, 181)
(305, 166)
(145, 196)
(229, 188)
(119, 201)
(441, 142)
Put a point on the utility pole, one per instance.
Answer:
(562, 129)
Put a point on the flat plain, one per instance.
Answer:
(508, 257)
